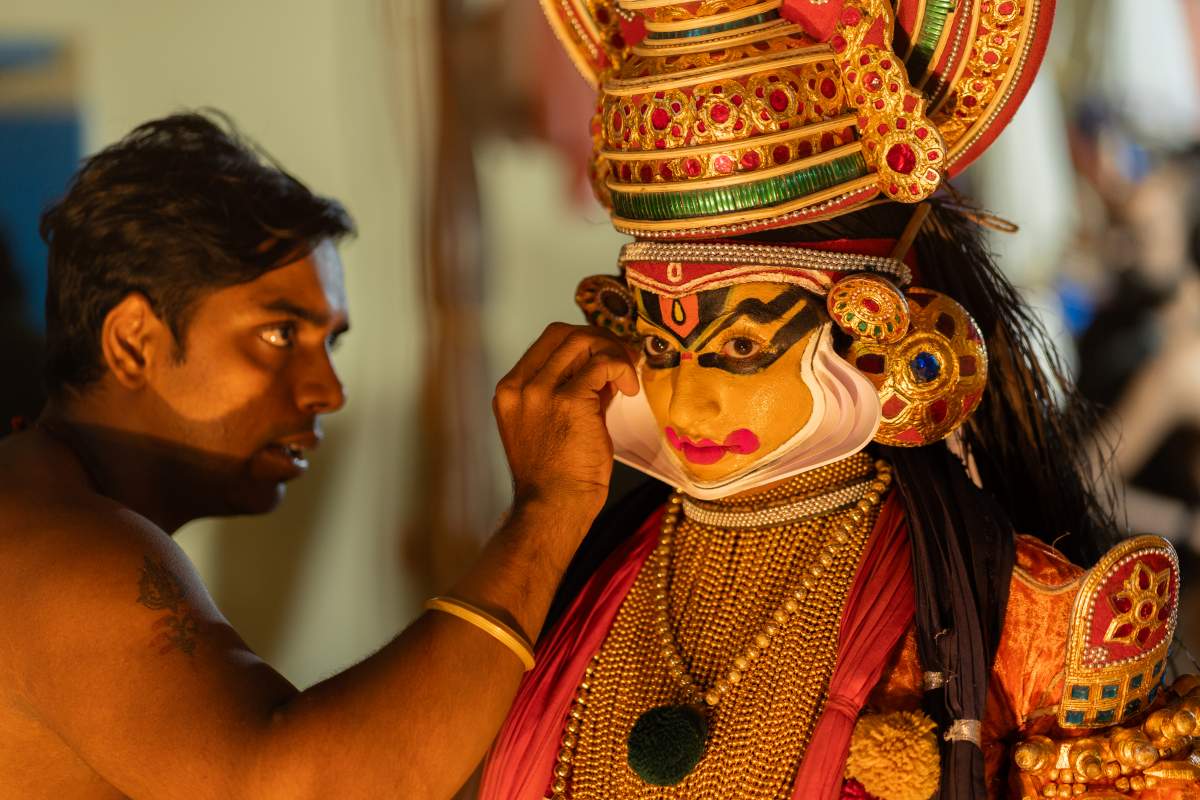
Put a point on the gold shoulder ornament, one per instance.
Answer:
(1129, 733)
(1121, 626)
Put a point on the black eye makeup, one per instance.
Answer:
(740, 341)
(660, 353)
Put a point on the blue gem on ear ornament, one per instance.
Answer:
(925, 367)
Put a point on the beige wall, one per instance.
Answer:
(318, 584)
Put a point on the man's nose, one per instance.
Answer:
(693, 403)
(319, 390)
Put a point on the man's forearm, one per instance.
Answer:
(415, 719)
(519, 571)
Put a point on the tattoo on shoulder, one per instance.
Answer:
(160, 590)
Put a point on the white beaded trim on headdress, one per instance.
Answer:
(765, 255)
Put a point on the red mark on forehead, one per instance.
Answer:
(681, 315)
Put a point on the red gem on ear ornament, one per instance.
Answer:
(870, 308)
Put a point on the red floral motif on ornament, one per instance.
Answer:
(1140, 607)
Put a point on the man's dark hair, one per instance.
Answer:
(178, 208)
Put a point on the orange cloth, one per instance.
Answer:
(1027, 678)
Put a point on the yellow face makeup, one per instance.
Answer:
(722, 372)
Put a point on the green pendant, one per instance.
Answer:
(666, 743)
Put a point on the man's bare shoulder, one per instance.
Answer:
(109, 640)
(74, 559)
(55, 529)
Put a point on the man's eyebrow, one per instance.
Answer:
(318, 318)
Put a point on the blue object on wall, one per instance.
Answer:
(39, 151)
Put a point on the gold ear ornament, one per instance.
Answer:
(922, 351)
(607, 303)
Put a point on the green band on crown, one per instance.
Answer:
(739, 197)
(745, 22)
(926, 40)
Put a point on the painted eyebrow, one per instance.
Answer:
(659, 330)
(758, 311)
(310, 316)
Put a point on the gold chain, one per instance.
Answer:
(718, 617)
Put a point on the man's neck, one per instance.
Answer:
(119, 460)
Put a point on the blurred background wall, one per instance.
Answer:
(456, 132)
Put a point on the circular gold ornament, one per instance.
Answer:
(930, 381)
(869, 307)
(607, 303)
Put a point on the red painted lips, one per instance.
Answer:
(706, 451)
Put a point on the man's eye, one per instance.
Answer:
(278, 335)
(656, 346)
(741, 347)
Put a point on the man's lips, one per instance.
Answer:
(289, 452)
(706, 451)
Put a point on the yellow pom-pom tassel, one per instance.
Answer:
(895, 756)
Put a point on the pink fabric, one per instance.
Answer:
(522, 759)
(878, 612)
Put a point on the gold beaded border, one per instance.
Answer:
(1004, 93)
(699, 44)
(750, 66)
(735, 179)
(715, 19)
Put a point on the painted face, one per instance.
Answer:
(722, 372)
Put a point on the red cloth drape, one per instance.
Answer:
(522, 758)
(878, 612)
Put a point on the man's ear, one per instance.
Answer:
(132, 335)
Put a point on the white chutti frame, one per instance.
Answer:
(845, 416)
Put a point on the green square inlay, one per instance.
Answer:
(1109, 692)
(1132, 706)
(1074, 717)
(1080, 692)
(1136, 681)
(1106, 717)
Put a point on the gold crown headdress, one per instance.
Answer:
(723, 117)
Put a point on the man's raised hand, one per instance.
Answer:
(550, 411)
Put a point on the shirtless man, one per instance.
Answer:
(194, 295)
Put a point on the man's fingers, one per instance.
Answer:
(574, 353)
(535, 357)
(601, 372)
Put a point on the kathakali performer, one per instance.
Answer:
(866, 582)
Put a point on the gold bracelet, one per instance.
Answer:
(487, 623)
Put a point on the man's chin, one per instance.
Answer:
(254, 497)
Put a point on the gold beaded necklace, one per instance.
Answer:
(692, 631)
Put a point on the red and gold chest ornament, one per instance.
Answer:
(922, 350)
(723, 117)
(1121, 628)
